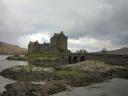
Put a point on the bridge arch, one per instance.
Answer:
(70, 59)
(82, 58)
(75, 59)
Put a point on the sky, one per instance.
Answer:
(89, 24)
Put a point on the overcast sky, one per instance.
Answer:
(89, 24)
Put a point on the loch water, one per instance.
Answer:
(114, 87)
(7, 64)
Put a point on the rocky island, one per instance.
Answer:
(75, 75)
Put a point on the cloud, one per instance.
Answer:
(40, 36)
(108, 22)
(90, 24)
(90, 44)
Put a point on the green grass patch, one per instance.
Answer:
(27, 68)
(63, 74)
(43, 56)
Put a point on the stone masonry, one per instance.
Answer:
(58, 43)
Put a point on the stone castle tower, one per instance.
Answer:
(58, 43)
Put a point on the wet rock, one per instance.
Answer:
(28, 89)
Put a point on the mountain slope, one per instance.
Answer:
(6, 49)
(122, 51)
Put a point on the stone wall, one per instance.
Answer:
(76, 57)
(60, 41)
(33, 47)
(109, 58)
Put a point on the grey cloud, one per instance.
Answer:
(98, 19)
(110, 24)
(12, 25)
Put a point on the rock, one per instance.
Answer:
(90, 72)
(23, 89)
(28, 89)
(17, 57)
(55, 86)
(28, 73)
(76, 75)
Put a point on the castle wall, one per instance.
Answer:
(62, 44)
(33, 47)
(60, 41)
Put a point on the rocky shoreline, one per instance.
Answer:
(29, 89)
(17, 58)
(75, 75)
(27, 73)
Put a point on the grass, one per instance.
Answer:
(43, 56)
(27, 68)
(63, 74)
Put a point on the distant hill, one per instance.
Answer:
(6, 49)
(122, 51)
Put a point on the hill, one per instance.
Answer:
(122, 51)
(7, 49)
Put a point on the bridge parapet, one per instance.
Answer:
(116, 59)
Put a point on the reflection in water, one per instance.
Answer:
(6, 64)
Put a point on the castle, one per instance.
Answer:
(58, 43)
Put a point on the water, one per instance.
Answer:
(114, 87)
(6, 64)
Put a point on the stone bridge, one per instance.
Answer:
(76, 57)
(107, 58)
